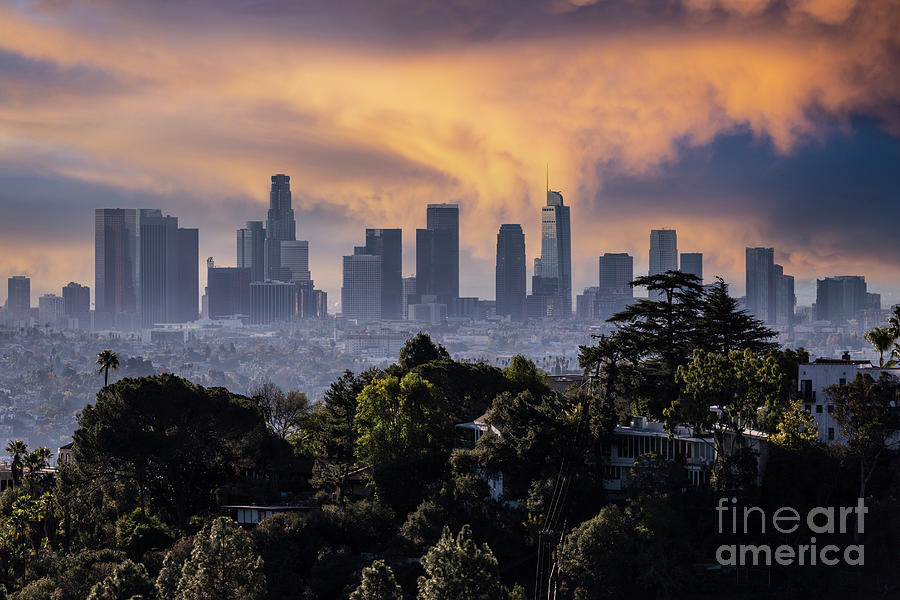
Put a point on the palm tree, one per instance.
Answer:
(16, 448)
(881, 339)
(107, 360)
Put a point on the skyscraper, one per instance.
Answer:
(388, 244)
(663, 251)
(188, 290)
(616, 275)
(784, 298)
(840, 299)
(294, 261)
(692, 263)
(761, 282)
(227, 290)
(280, 224)
(510, 274)
(272, 302)
(251, 249)
(50, 309)
(159, 267)
(169, 270)
(77, 303)
(361, 289)
(556, 249)
(18, 298)
(117, 252)
(437, 254)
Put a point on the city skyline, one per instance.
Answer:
(94, 121)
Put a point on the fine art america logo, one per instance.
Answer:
(820, 523)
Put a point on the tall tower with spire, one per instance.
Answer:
(556, 247)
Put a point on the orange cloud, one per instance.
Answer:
(379, 131)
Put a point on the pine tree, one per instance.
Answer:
(128, 579)
(223, 565)
(457, 569)
(377, 583)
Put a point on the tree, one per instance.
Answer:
(168, 442)
(128, 580)
(284, 413)
(457, 569)
(378, 583)
(881, 338)
(867, 412)
(665, 331)
(404, 433)
(36, 461)
(796, 429)
(737, 385)
(16, 448)
(107, 360)
(419, 350)
(597, 560)
(726, 327)
(223, 565)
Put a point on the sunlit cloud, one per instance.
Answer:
(374, 123)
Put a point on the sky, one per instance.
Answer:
(737, 122)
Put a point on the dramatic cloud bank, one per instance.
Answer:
(376, 108)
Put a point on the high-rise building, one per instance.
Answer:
(77, 303)
(18, 299)
(663, 251)
(188, 291)
(159, 267)
(556, 249)
(840, 299)
(437, 253)
(294, 261)
(510, 274)
(251, 249)
(272, 302)
(117, 265)
(227, 290)
(280, 224)
(616, 274)
(761, 284)
(409, 290)
(692, 263)
(169, 270)
(361, 289)
(785, 301)
(50, 309)
(388, 244)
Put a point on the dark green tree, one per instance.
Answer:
(223, 565)
(724, 326)
(128, 580)
(167, 442)
(666, 329)
(419, 350)
(378, 583)
(456, 568)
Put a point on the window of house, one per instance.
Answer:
(818, 408)
(843, 381)
(830, 408)
(831, 433)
